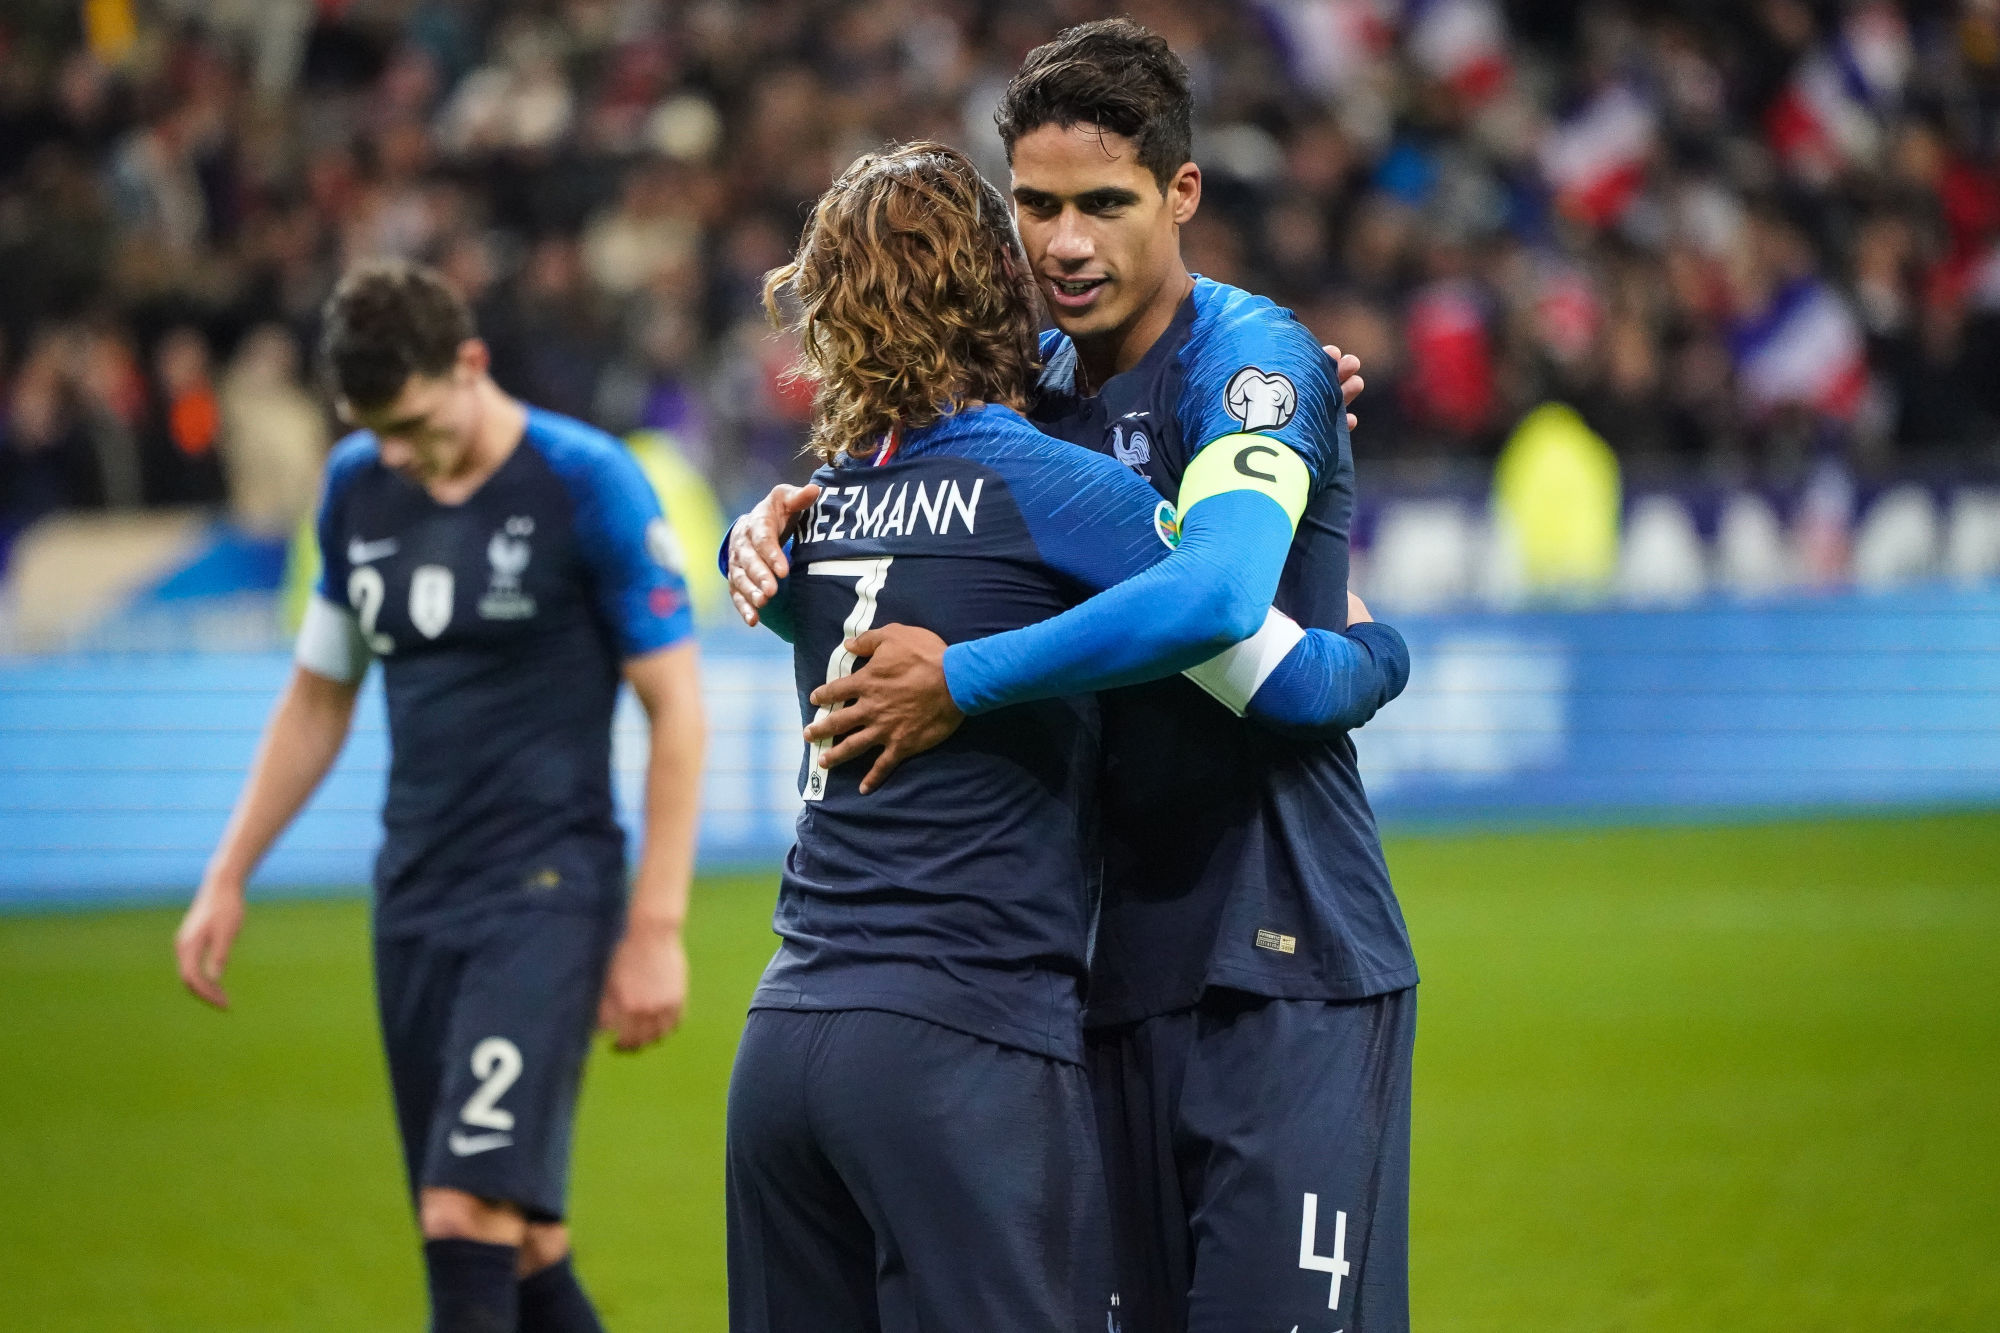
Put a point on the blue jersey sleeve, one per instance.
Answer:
(1211, 591)
(1331, 681)
(1091, 519)
(632, 556)
(1253, 369)
(346, 462)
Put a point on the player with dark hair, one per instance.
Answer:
(507, 567)
(911, 1136)
(1251, 992)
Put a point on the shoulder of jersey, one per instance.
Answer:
(352, 455)
(571, 444)
(1226, 315)
(1002, 433)
(1250, 357)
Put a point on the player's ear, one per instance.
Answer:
(1184, 193)
(474, 357)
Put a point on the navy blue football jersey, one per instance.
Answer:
(961, 890)
(501, 624)
(1234, 856)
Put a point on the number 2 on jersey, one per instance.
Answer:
(365, 592)
(868, 576)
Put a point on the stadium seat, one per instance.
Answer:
(1898, 540)
(1972, 542)
(1663, 563)
(1423, 555)
(1751, 556)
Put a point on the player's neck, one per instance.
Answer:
(502, 423)
(1116, 351)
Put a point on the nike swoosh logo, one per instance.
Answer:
(465, 1145)
(361, 553)
(1133, 416)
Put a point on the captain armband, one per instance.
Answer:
(1260, 463)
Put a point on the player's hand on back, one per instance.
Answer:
(897, 701)
(646, 987)
(757, 548)
(202, 944)
(1348, 367)
(1357, 610)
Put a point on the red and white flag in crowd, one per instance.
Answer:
(1830, 114)
(1330, 45)
(1453, 378)
(1460, 43)
(1596, 160)
(1804, 350)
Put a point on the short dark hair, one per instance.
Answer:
(1115, 74)
(385, 322)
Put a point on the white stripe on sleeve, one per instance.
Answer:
(1235, 674)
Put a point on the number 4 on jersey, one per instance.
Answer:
(1335, 1263)
(868, 576)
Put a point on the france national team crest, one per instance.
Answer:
(1130, 444)
(508, 553)
(1259, 400)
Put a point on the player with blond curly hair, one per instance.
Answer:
(911, 1141)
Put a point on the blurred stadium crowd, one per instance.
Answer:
(1755, 244)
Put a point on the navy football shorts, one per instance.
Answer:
(886, 1173)
(486, 1030)
(1258, 1154)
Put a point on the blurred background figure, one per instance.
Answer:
(273, 435)
(1753, 248)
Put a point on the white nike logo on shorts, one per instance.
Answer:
(463, 1144)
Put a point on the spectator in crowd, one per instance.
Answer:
(1746, 243)
(273, 435)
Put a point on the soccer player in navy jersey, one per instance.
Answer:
(911, 1137)
(507, 567)
(1251, 992)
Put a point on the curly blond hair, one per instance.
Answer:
(914, 297)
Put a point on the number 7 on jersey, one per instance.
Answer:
(868, 576)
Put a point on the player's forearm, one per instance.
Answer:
(1331, 682)
(300, 743)
(1212, 591)
(660, 889)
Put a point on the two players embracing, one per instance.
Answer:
(908, 1144)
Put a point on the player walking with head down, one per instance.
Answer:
(507, 566)
(1252, 985)
(911, 1140)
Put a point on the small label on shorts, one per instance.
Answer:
(548, 877)
(1276, 943)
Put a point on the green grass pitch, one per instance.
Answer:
(1726, 1079)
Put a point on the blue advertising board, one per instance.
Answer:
(117, 771)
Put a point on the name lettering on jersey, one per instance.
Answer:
(508, 553)
(1260, 400)
(852, 513)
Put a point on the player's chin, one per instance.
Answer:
(1094, 314)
